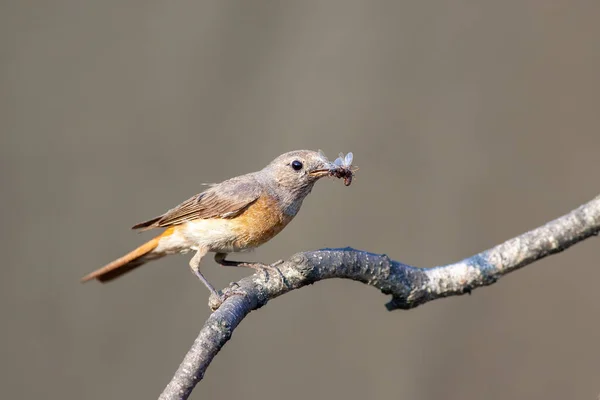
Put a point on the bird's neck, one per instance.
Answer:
(289, 197)
(289, 201)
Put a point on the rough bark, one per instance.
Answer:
(409, 286)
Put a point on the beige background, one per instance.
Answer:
(471, 122)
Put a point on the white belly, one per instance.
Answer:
(216, 235)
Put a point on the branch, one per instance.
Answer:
(409, 286)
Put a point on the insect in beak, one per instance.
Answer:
(344, 168)
(340, 168)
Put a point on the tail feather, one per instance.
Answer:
(127, 263)
(151, 223)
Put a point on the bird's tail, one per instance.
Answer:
(127, 263)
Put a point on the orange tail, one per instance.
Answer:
(127, 263)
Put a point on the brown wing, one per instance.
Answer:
(224, 200)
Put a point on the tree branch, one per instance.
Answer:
(409, 286)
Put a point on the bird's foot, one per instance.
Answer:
(217, 299)
(266, 268)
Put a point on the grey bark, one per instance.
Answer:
(409, 286)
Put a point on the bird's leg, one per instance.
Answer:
(195, 266)
(220, 259)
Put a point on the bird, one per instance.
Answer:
(236, 215)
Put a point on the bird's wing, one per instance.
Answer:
(224, 200)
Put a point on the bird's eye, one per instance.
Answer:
(297, 165)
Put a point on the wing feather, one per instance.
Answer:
(224, 200)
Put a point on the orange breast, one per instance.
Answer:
(260, 223)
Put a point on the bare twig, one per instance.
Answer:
(409, 286)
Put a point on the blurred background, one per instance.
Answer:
(471, 122)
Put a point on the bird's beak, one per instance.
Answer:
(326, 169)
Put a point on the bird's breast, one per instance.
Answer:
(258, 224)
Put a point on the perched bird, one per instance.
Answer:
(238, 214)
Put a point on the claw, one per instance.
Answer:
(266, 268)
(214, 302)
